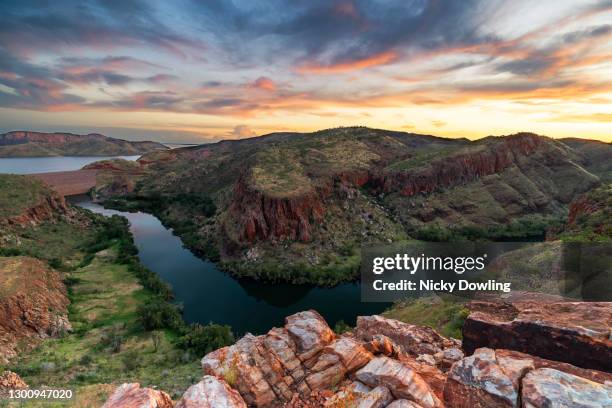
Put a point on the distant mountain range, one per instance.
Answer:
(299, 206)
(37, 144)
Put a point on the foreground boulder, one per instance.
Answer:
(574, 332)
(400, 379)
(306, 357)
(305, 365)
(357, 394)
(497, 378)
(478, 381)
(551, 388)
(132, 396)
(412, 339)
(270, 369)
(211, 393)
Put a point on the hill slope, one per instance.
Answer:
(36, 144)
(299, 206)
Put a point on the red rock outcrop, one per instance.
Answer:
(50, 207)
(33, 305)
(546, 387)
(305, 365)
(266, 217)
(572, 332)
(582, 206)
(294, 364)
(400, 379)
(414, 340)
(132, 396)
(462, 167)
(10, 381)
(502, 378)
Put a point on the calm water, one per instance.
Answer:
(29, 165)
(209, 295)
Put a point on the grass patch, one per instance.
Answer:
(445, 314)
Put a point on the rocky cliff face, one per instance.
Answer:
(462, 167)
(33, 305)
(27, 201)
(386, 363)
(262, 216)
(47, 208)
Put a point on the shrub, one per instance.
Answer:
(158, 314)
(204, 339)
(112, 339)
(341, 327)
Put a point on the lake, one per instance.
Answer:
(29, 165)
(210, 295)
(206, 293)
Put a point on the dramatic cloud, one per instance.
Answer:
(422, 65)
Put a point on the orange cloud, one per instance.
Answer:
(264, 83)
(382, 58)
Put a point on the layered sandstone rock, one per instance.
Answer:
(465, 166)
(411, 339)
(573, 332)
(551, 388)
(293, 363)
(132, 396)
(497, 378)
(33, 305)
(301, 357)
(211, 393)
(478, 381)
(400, 379)
(402, 403)
(305, 365)
(359, 395)
(265, 216)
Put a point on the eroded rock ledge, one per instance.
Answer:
(557, 329)
(382, 363)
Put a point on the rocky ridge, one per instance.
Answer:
(33, 305)
(48, 208)
(387, 363)
(282, 196)
(36, 144)
(27, 201)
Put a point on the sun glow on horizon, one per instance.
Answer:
(200, 73)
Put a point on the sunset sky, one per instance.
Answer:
(196, 71)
